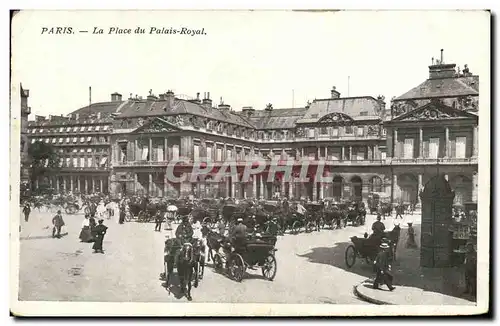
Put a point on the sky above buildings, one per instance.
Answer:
(247, 58)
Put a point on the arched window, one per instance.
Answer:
(376, 184)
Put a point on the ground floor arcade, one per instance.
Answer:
(84, 183)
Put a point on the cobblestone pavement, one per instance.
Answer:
(311, 267)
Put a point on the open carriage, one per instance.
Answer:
(368, 247)
(315, 219)
(258, 253)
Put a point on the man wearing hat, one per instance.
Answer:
(239, 235)
(184, 231)
(378, 227)
(58, 223)
(99, 232)
(383, 268)
(410, 241)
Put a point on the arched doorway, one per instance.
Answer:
(462, 186)
(409, 188)
(356, 188)
(337, 185)
(376, 184)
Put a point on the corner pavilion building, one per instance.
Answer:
(366, 146)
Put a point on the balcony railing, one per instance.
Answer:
(86, 168)
(421, 161)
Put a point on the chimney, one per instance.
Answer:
(207, 102)
(151, 97)
(161, 97)
(169, 96)
(334, 93)
(248, 111)
(442, 70)
(39, 118)
(269, 107)
(116, 97)
(198, 97)
(381, 98)
(224, 107)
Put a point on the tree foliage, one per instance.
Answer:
(44, 159)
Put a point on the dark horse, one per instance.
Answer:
(393, 237)
(214, 240)
(185, 262)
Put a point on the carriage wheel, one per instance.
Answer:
(237, 267)
(350, 256)
(322, 223)
(309, 227)
(270, 267)
(141, 217)
(218, 263)
(70, 209)
(296, 227)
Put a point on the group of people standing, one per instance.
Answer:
(93, 232)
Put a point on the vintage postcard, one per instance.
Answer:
(250, 163)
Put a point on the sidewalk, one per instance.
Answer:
(404, 295)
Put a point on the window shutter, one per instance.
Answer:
(426, 149)
(453, 149)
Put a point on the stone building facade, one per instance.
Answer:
(25, 112)
(365, 146)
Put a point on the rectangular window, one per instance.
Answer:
(105, 128)
(54, 140)
(335, 132)
(82, 162)
(323, 131)
(61, 140)
(360, 154)
(229, 154)
(61, 129)
(68, 161)
(75, 129)
(175, 152)
(89, 139)
(33, 141)
(408, 148)
(75, 162)
(97, 128)
(360, 131)
(209, 152)
(196, 152)
(47, 140)
(310, 133)
(383, 155)
(75, 139)
(90, 162)
(82, 139)
(103, 161)
(219, 154)
(89, 150)
(82, 128)
(433, 147)
(68, 129)
(348, 130)
(159, 151)
(144, 156)
(460, 145)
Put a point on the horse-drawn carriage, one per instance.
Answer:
(187, 258)
(368, 247)
(314, 216)
(258, 252)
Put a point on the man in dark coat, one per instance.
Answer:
(383, 268)
(239, 235)
(26, 211)
(58, 223)
(99, 231)
(470, 265)
(184, 231)
(378, 227)
(122, 214)
(158, 220)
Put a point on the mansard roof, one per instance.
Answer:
(443, 87)
(435, 110)
(276, 118)
(358, 108)
(145, 108)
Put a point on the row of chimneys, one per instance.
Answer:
(439, 69)
(61, 118)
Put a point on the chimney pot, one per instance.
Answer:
(208, 95)
(198, 96)
(442, 60)
(334, 93)
(116, 97)
(247, 110)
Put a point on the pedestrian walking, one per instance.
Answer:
(26, 211)
(100, 231)
(383, 268)
(410, 239)
(470, 264)
(58, 223)
(122, 214)
(158, 221)
(221, 226)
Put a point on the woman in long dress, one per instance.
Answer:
(85, 234)
(410, 239)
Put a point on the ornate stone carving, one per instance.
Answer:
(335, 117)
(432, 113)
(402, 107)
(300, 132)
(373, 130)
(466, 103)
(157, 125)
